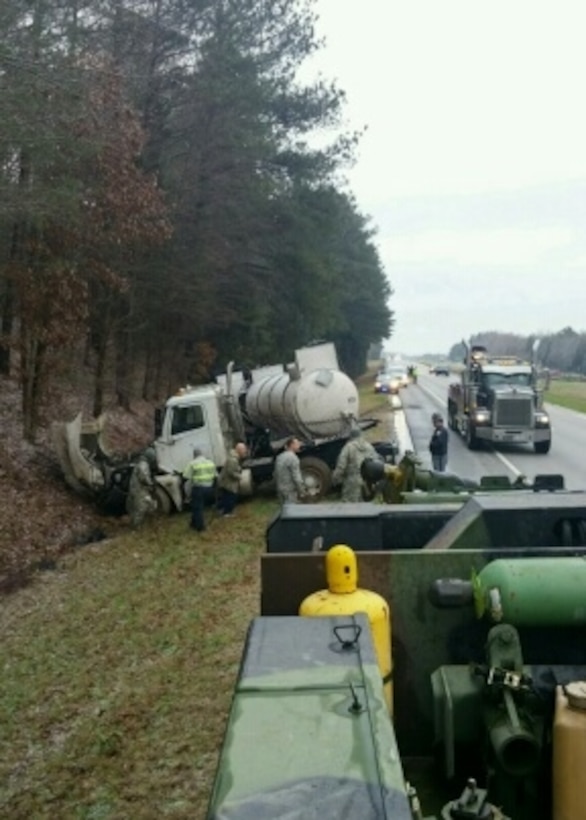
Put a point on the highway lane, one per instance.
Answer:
(567, 454)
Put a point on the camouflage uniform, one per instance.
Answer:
(141, 499)
(229, 483)
(288, 478)
(347, 472)
(231, 472)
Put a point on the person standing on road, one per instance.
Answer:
(288, 479)
(347, 471)
(438, 445)
(141, 490)
(201, 477)
(230, 479)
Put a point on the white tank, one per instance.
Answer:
(319, 404)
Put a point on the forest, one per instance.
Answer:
(164, 205)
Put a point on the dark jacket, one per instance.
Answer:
(438, 445)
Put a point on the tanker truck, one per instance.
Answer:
(311, 399)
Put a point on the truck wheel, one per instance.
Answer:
(471, 440)
(542, 446)
(164, 503)
(317, 477)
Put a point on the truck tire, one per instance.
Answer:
(452, 416)
(317, 477)
(164, 503)
(471, 440)
(542, 447)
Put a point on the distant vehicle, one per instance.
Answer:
(400, 372)
(391, 381)
(384, 383)
(440, 370)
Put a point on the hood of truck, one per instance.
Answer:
(77, 445)
(513, 391)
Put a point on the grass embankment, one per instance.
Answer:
(118, 668)
(375, 405)
(570, 394)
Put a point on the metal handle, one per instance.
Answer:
(348, 644)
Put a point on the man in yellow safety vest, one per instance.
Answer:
(201, 478)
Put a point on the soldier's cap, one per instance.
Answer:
(355, 432)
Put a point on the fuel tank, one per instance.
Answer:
(317, 404)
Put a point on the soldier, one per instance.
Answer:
(438, 444)
(230, 479)
(288, 478)
(201, 477)
(141, 498)
(347, 472)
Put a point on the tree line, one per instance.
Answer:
(163, 208)
(563, 351)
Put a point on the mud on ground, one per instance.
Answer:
(40, 517)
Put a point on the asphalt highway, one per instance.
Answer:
(412, 414)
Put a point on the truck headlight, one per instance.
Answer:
(481, 416)
(541, 419)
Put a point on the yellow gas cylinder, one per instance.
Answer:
(342, 597)
(569, 752)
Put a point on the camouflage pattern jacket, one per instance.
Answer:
(140, 500)
(347, 472)
(288, 478)
(231, 473)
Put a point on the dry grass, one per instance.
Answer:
(118, 670)
(118, 664)
(375, 405)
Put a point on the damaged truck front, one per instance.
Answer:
(96, 473)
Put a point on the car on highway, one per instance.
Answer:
(440, 370)
(391, 380)
(402, 374)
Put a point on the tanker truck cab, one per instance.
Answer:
(191, 418)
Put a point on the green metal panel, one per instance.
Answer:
(309, 733)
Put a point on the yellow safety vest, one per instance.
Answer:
(202, 472)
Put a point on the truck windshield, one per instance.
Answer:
(495, 379)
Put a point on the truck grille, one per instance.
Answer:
(513, 412)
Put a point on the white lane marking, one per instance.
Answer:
(508, 464)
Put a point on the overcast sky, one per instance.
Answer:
(473, 166)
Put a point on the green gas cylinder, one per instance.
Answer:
(343, 597)
(533, 591)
